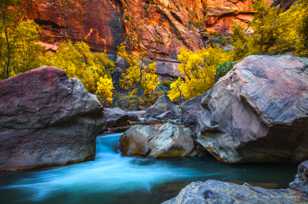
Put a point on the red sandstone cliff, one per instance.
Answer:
(159, 27)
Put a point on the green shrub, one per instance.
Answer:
(223, 69)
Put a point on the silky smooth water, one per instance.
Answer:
(113, 179)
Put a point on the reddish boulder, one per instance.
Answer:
(46, 119)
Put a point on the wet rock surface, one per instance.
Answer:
(46, 119)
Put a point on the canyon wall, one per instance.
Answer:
(159, 27)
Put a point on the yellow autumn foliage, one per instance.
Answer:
(19, 51)
(274, 31)
(198, 72)
(93, 69)
(139, 78)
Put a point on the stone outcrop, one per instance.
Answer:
(118, 120)
(46, 119)
(258, 112)
(213, 191)
(159, 141)
(300, 182)
(159, 27)
(162, 110)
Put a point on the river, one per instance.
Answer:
(113, 179)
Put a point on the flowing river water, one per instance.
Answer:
(113, 179)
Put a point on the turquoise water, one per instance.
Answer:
(113, 179)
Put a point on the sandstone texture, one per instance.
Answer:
(159, 27)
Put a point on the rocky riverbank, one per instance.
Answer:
(256, 113)
(213, 191)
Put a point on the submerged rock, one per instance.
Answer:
(46, 119)
(258, 112)
(167, 140)
(213, 191)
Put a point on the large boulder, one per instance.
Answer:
(213, 191)
(159, 141)
(258, 112)
(218, 192)
(46, 119)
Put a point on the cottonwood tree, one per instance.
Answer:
(140, 79)
(198, 72)
(19, 50)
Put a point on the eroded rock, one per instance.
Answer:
(46, 119)
(300, 182)
(258, 112)
(159, 141)
(162, 110)
(213, 191)
(116, 119)
(98, 22)
(158, 27)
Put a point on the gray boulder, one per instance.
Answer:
(258, 112)
(218, 192)
(300, 182)
(162, 110)
(118, 120)
(213, 191)
(46, 119)
(167, 69)
(159, 141)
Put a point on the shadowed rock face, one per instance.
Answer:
(159, 27)
(258, 112)
(46, 119)
(162, 110)
(118, 120)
